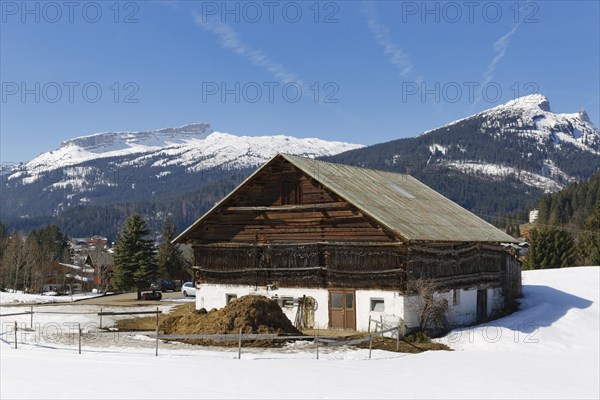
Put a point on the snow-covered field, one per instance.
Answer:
(549, 349)
(24, 298)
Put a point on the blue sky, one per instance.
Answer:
(363, 72)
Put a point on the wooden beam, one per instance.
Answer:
(298, 207)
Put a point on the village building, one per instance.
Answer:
(66, 278)
(102, 264)
(338, 245)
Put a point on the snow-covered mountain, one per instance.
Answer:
(533, 118)
(116, 167)
(528, 120)
(195, 147)
(496, 161)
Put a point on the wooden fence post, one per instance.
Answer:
(398, 339)
(370, 345)
(100, 318)
(79, 336)
(156, 351)
(31, 318)
(317, 341)
(15, 334)
(240, 344)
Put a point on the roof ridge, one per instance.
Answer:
(286, 155)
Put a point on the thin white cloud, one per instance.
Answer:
(500, 49)
(229, 40)
(397, 56)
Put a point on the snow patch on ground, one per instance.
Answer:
(500, 171)
(25, 298)
(438, 147)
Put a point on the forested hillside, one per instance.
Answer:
(567, 231)
(572, 206)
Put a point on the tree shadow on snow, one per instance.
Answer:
(541, 306)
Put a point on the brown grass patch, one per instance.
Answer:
(149, 323)
(384, 343)
(254, 314)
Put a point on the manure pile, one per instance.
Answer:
(254, 314)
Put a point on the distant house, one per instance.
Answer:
(338, 245)
(68, 278)
(533, 215)
(101, 263)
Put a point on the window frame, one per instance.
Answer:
(373, 301)
(229, 297)
(287, 301)
(286, 191)
(455, 297)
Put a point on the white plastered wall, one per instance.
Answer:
(396, 306)
(211, 296)
(460, 313)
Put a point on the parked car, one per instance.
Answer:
(163, 285)
(167, 284)
(188, 289)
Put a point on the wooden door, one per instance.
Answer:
(342, 309)
(481, 305)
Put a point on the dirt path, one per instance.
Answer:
(129, 299)
(121, 300)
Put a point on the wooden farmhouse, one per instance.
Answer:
(68, 278)
(338, 245)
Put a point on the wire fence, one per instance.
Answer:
(240, 337)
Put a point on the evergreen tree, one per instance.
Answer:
(3, 244)
(550, 248)
(513, 230)
(589, 242)
(135, 259)
(51, 243)
(171, 262)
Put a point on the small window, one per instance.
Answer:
(456, 297)
(350, 301)
(337, 300)
(290, 193)
(377, 305)
(230, 297)
(287, 302)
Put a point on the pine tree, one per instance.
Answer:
(171, 262)
(3, 244)
(135, 259)
(550, 248)
(591, 241)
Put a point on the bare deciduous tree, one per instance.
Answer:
(432, 309)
